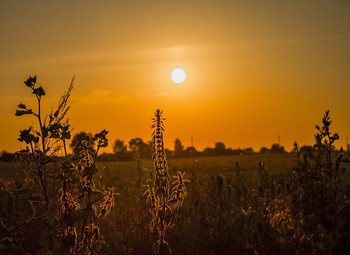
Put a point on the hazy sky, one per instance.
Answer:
(256, 69)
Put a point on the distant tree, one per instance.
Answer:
(190, 151)
(76, 143)
(238, 151)
(169, 153)
(220, 148)
(264, 150)
(135, 144)
(209, 151)
(7, 157)
(144, 149)
(178, 147)
(121, 152)
(306, 150)
(229, 151)
(119, 146)
(276, 148)
(248, 150)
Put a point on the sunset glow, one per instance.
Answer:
(256, 71)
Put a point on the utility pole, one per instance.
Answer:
(192, 142)
(279, 141)
(347, 144)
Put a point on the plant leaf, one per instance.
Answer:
(66, 135)
(20, 112)
(39, 91)
(30, 82)
(22, 106)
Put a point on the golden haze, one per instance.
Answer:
(256, 70)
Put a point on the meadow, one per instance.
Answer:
(230, 208)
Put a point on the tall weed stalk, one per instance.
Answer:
(163, 200)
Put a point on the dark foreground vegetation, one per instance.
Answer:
(250, 204)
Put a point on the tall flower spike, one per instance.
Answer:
(159, 157)
(161, 204)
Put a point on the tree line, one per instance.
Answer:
(136, 147)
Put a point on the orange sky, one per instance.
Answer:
(256, 69)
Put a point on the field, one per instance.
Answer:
(203, 169)
(234, 205)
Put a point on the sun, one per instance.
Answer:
(178, 75)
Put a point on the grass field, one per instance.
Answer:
(249, 210)
(203, 167)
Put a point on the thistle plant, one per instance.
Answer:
(162, 200)
(319, 177)
(73, 212)
(76, 225)
(51, 128)
(89, 196)
(43, 144)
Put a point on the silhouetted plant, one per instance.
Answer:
(90, 197)
(50, 128)
(319, 198)
(81, 209)
(78, 203)
(162, 200)
(77, 140)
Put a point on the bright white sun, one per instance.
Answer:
(178, 75)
